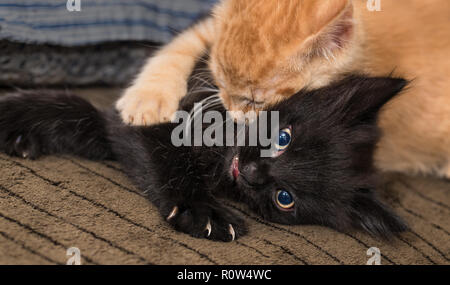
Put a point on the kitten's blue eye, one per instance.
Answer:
(284, 200)
(284, 139)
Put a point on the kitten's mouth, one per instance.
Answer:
(235, 167)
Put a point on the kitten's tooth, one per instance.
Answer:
(208, 228)
(231, 230)
(24, 154)
(19, 139)
(173, 213)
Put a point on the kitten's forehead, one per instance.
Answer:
(253, 29)
(259, 43)
(256, 35)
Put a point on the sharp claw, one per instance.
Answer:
(231, 230)
(173, 213)
(208, 228)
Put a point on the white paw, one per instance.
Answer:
(150, 103)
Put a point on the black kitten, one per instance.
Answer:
(321, 174)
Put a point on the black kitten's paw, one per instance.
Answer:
(207, 220)
(22, 146)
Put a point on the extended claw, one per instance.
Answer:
(173, 213)
(232, 232)
(208, 228)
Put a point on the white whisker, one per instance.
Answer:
(209, 84)
(198, 107)
(203, 90)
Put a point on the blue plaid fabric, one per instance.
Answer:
(51, 22)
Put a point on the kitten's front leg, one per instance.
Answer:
(155, 94)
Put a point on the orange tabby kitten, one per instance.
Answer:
(262, 52)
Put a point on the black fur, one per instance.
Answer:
(328, 167)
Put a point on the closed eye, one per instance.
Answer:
(247, 101)
(240, 99)
(258, 105)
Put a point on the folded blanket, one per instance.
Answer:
(59, 22)
(49, 42)
(31, 65)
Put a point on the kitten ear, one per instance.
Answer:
(372, 216)
(333, 25)
(359, 98)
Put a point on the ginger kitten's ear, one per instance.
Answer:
(332, 25)
(322, 13)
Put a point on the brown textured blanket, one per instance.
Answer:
(58, 202)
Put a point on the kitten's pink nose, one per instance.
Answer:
(253, 173)
(249, 170)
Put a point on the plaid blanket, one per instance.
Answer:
(81, 22)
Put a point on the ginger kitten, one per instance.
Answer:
(262, 52)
